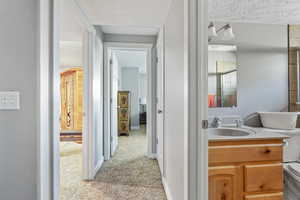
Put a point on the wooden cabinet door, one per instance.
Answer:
(264, 178)
(225, 183)
(67, 100)
(72, 100)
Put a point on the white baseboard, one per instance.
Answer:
(135, 128)
(152, 155)
(98, 166)
(167, 190)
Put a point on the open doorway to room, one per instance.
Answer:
(71, 88)
(129, 99)
(71, 81)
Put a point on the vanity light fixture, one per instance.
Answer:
(212, 33)
(224, 33)
(227, 34)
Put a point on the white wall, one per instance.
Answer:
(18, 71)
(174, 101)
(71, 54)
(130, 82)
(143, 86)
(262, 69)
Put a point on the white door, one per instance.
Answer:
(114, 103)
(160, 103)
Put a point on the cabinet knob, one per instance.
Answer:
(268, 151)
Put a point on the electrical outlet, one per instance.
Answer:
(9, 100)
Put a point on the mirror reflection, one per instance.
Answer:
(222, 76)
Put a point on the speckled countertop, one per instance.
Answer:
(254, 134)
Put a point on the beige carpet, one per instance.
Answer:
(129, 175)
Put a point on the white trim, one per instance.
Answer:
(196, 142)
(98, 166)
(44, 190)
(152, 156)
(55, 100)
(108, 46)
(166, 188)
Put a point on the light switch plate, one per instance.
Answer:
(9, 100)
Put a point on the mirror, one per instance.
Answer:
(222, 75)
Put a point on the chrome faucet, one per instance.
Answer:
(239, 123)
(216, 123)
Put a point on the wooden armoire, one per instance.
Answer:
(124, 112)
(72, 100)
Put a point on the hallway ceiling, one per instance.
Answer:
(130, 30)
(255, 11)
(145, 13)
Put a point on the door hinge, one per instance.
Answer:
(111, 61)
(204, 124)
(157, 141)
(111, 139)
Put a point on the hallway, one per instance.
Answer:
(129, 175)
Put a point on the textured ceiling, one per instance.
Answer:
(255, 11)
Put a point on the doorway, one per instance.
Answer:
(78, 97)
(71, 78)
(130, 77)
(130, 146)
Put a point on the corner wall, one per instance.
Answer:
(19, 72)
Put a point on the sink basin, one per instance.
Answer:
(230, 132)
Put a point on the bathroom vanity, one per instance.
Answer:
(246, 167)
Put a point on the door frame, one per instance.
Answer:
(48, 165)
(196, 101)
(109, 46)
(111, 85)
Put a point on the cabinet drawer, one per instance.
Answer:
(123, 127)
(244, 153)
(273, 196)
(123, 114)
(263, 178)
